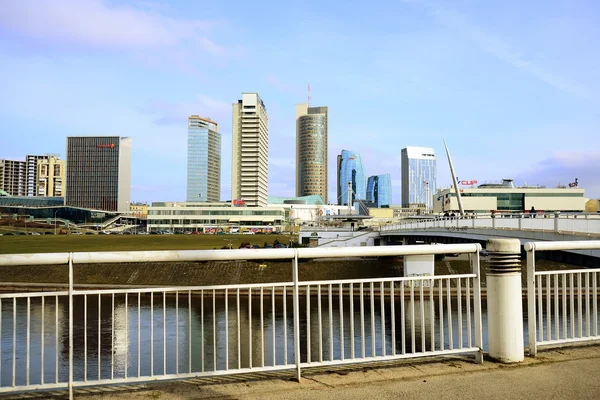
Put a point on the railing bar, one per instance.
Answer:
(579, 307)
(422, 315)
(468, 300)
(548, 308)
(330, 301)
(393, 317)
(308, 347)
(56, 339)
(595, 301)
(273, 323)
(285, 345)
(152, 334)
(412, 318)
(320, 323)
(85, 337)
(164, 309)
(262, 329)
(1, 342)
(249, 328)
(564, 305)
(214, 315)
(556, 310)
(382, 305)
(403, 314)
(441, 308)
(449, 305)
(226, 330)
(239, 329)
(139, 326)
(14, 342)
(341, 295)
(352, 341)
(189, 338)
(362, 321)
(459, 309)
(99, 336)
(540, 299)
(177, 333)
(41, 339)
(202, 335)
(27, 341)
(126, 335)
(112, 337)
(587, 304)
(373, 349)
(572, 304)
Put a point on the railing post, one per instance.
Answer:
(296, 315)
(71, 326)
(531, 324)
(556, 219)
(505, 308)
(520, 222)
(475, 268)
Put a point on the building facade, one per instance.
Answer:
(311, 150)
(250, 151)
(13, 177)
(350, 169)
(50, 177)
(203, 160)
(31, 162)
(379, 190)
(98, 172)
(419, 176)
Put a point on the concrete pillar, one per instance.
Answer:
(504, 300)
(556, 218)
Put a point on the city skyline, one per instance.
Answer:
(513, 96)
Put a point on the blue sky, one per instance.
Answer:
(511, 86)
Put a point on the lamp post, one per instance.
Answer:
(55, 221)
(230, 245)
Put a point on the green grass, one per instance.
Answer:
(77, 243)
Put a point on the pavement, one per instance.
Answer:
(564, 373)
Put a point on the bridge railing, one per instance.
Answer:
(562, 305)
(77, 337)
(584, 223)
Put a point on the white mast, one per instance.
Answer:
(455, 182)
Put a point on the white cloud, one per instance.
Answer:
(98, 24)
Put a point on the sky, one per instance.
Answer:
(513, 87)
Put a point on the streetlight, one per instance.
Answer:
(55, 221)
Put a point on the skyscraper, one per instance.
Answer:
(311, 151)
(379, 190)
(13, 177)
(350, 169)
(203, 160)
(250, 151)
(418, 176)
(98, 172)
(31, 162)
(50, 177)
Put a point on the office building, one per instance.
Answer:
(311, 151)
(13, 177)
(250, 151)
(379, 190)
(203, 160)
(31, 165)
(418, 177)
(50, 177)
(98, 172)
(350, 169)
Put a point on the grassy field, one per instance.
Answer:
(75, 243)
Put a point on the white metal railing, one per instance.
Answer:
(562, 306)
(587, 224)
(77, 337)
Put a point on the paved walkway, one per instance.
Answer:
(555, 374)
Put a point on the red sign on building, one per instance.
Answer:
(106, 146)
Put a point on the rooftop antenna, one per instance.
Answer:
(309, 98)
(455, 181)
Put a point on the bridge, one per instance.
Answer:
(82, 337)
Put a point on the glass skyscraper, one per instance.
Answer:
(379, 190)
(419, 174)
(203, 160)
(350, 169)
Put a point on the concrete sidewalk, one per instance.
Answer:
(554, 374)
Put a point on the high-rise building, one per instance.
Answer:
(203, 160)
(379, 190)
(350, 169)
(250, 151)
(418, 177)
(311, 151)
(13, 177)
(98, 172)
(31, 162)
(50, 173)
